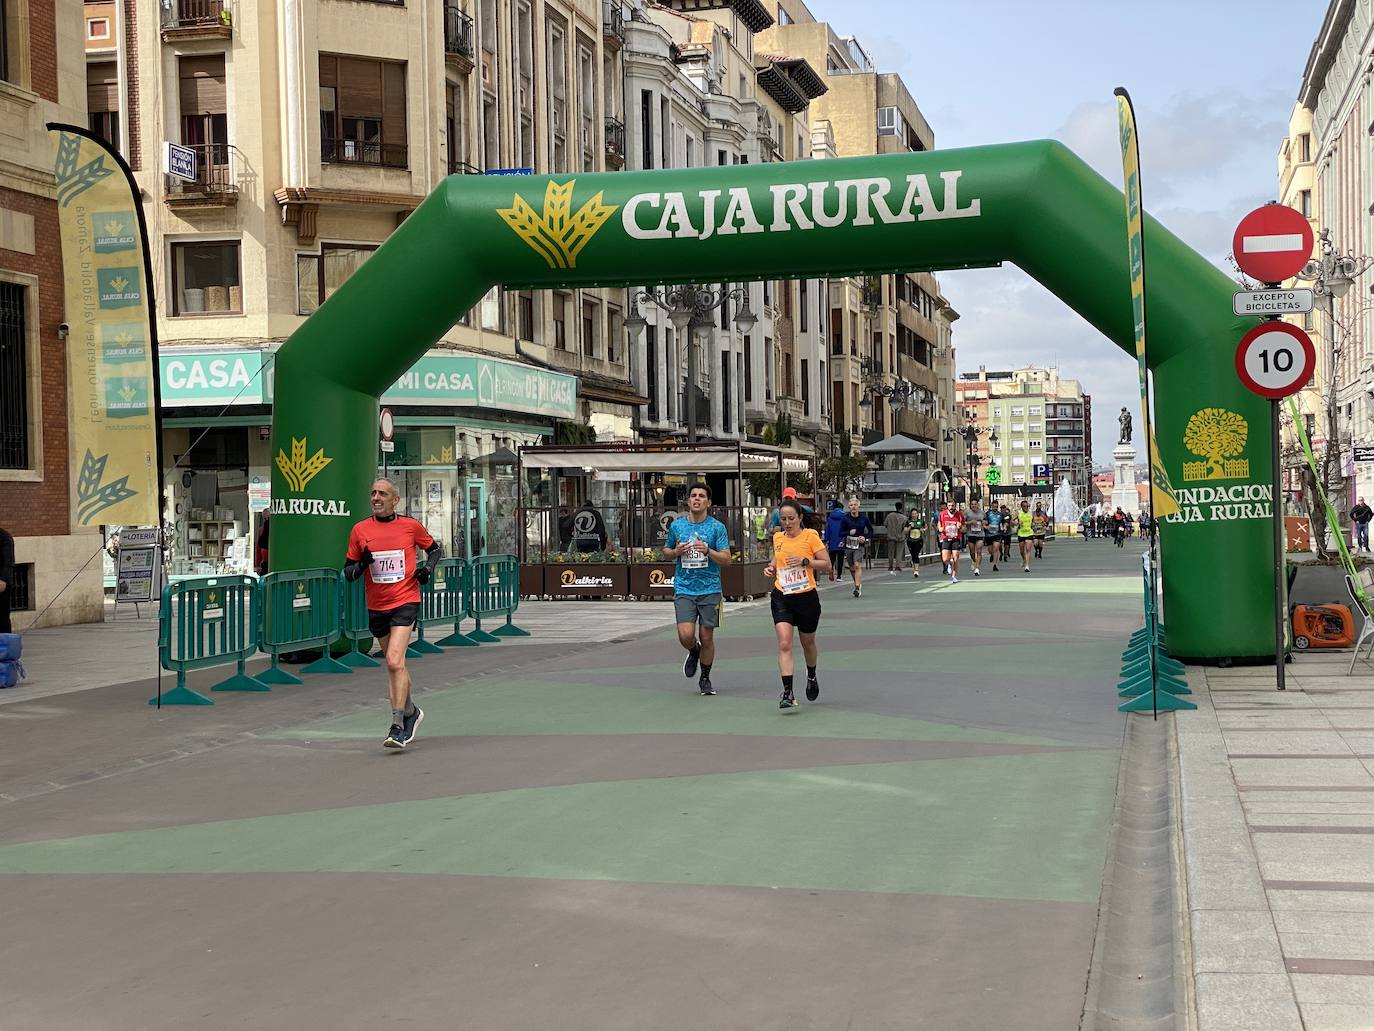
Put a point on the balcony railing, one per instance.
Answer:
(217, 177)
(463, 168)
(613, 23)
(615, 143)
(196, 14)
(458, 37)
(358, 152)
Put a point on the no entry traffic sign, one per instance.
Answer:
(1275, 359)
(1272, 243)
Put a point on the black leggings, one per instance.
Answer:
(914, 548)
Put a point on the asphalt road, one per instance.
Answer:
(577, 839)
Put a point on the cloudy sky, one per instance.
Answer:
(1213, 83)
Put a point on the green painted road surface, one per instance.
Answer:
(582, 841)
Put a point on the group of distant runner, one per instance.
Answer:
(382, 552)
(1116, 526)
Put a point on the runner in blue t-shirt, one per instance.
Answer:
(701, 545)
(995, 527)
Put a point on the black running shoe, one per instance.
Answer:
(706, 686)
(689, 665)
(787, 701)
(395, 737)
(411, 722)
(813, 689)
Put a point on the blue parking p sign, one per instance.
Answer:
(180, 162)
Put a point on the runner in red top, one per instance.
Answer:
(382, 550)
(951, 534)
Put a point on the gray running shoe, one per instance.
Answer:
(395, 737)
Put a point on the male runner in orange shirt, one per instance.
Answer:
(382, 549)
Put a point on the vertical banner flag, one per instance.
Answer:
(1162, 500)
(109, 343)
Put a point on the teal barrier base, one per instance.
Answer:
(458, 640)
(357, 660)
(510, 630)
(426, 648)
(1163, 701)
(478, 634)
(182, 695)
(1141, 682)
(413, 653)
(240, 682)
(325, 664)
(274, 674)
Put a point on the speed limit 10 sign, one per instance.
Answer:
(1275, 359)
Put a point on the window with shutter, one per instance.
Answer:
(363, 111)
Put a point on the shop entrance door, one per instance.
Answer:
(474, 529)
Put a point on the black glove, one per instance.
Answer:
(365, 558)
(422, 575)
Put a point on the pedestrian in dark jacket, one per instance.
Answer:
(1361, 514)
(6, 580)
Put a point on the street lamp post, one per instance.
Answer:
(689, 308)
(970, 434)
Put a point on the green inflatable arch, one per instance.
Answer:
(1034, 204)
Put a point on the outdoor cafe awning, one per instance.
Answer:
(704, 458)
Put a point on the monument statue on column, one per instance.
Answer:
(1124, 494)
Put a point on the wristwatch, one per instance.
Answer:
(806, 562)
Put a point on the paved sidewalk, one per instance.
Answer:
(1278, 839)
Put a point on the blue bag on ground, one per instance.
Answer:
(11, 646)
(10, 671)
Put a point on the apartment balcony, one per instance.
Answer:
(791, 407)
(612, 25)
(216, 184)
(615, 144)
(458, 45)
(360, 152)
(463, 168)
(196, 19)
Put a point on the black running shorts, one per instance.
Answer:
(802, 610)
(381, 621)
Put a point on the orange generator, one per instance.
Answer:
(1323, 626)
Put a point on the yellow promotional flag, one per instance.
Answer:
(110, 345)
(1162, 500)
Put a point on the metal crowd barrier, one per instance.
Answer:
(210, 621)
(300, 611)
(448, 602)
(207, 621)
(495, 592)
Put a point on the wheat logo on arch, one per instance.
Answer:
(1218, 436)
(558, 235)
(298, 469)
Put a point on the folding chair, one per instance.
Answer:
(1357, 596)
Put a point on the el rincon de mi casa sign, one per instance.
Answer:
(1033, 204)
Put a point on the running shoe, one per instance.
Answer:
(856, 592)
(975, 571)
(916, 574)
(689, 666)
(954, 579)
(706, 686)
(411, 722)
(787, 701)
(813, 689)
(994, 567)
(1028, 569)
(395, 737)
